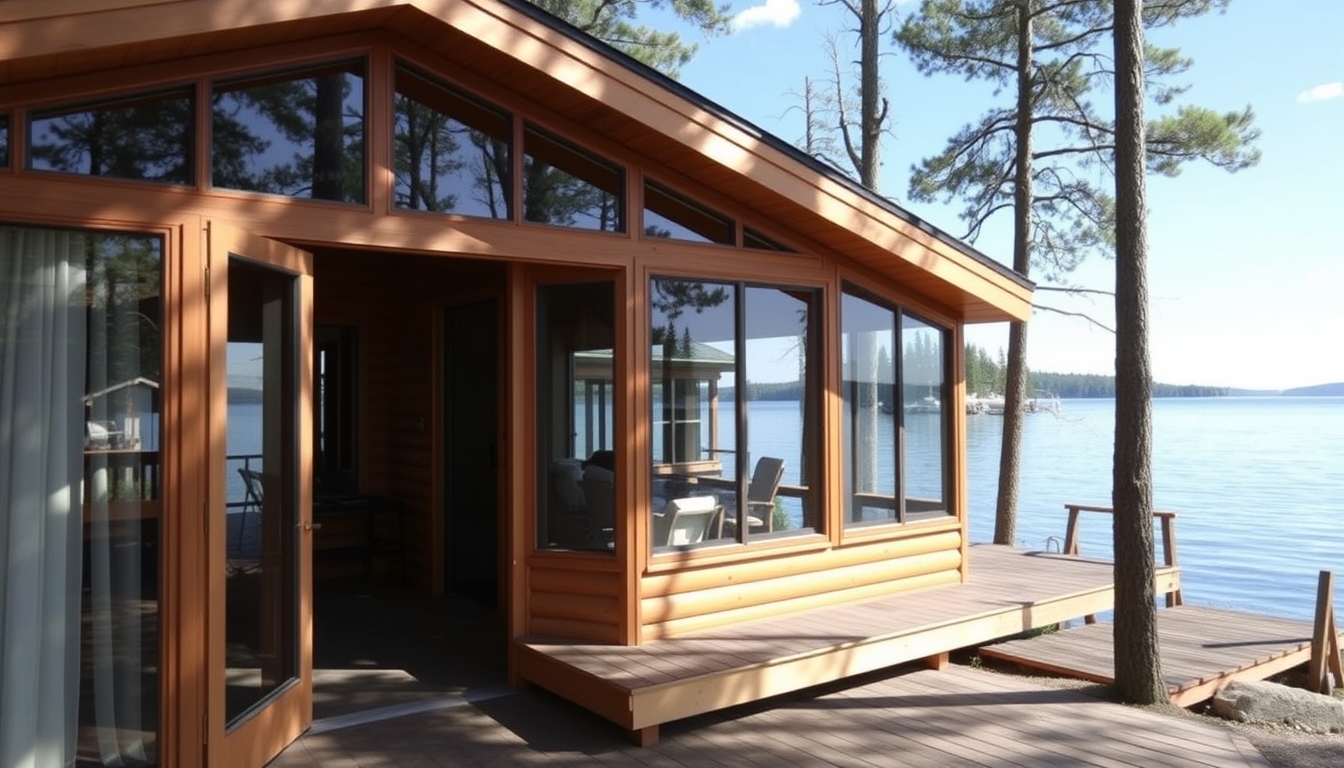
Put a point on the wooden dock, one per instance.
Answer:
(1202, 650)
(639, 687)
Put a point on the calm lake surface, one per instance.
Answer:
(1258, 483)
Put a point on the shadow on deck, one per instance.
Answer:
(640, 687)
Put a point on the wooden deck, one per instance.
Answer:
(640, 687)
(1202, 650)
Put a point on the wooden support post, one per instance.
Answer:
(938, 661)
(1326, 669)
(645, 737)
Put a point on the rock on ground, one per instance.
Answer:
(1259, 702)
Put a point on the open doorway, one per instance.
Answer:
(406, 394)
(470, 453)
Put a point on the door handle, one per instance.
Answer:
(307, 526)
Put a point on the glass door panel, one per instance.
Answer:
(261, 666)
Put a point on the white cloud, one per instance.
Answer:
(1322, 92)
(778, 13)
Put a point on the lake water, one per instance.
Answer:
(1258, 483)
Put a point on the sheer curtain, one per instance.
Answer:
(42, 378)
(75, 646)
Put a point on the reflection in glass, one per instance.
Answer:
(565, 186)
(734, 410)
(668, 214)
(80, 369)
(145, 137)
(261, 586)
(776, 378)
(451, 152)
(895, 437)
(923, 397)
(870, 422)
(576, 416)
(4, 141)
(292, 133)
(754, 239)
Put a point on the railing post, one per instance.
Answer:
(1325, 654)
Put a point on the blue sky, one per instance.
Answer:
(1246, 270)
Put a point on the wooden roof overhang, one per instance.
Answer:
(558, 68)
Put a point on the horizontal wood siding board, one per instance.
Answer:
(578, 630)
(753, 613)
(768, 569)
(586, 608)
(880, 576)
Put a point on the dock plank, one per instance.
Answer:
(1202, 648)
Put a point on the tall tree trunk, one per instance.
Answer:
(870, 94)
(1015, 390)
(1138, 666)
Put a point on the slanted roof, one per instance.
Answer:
(548, 62)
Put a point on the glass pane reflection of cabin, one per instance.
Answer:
(576, 508)
(734, 412)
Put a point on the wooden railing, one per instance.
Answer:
(1325, 654)
(1167, 521)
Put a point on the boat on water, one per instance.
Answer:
(994, 404)
(926, 404)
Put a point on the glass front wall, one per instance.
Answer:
(896, 467)
(299, 134)
(734, 420)
(576, 505)
(452, 153)
(80, 512)
(147, 137)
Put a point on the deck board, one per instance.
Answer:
(1202, 648)
(1008, 590)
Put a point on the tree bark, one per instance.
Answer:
(1015, 389)
(1138, 668)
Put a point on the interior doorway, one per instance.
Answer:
(470, 452)
(407, 398)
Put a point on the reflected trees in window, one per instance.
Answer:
(452, 152)
(895, 420)
(292, 133)
(145, 137)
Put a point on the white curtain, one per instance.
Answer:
(115, 600)
(69, 326)
(42, 378)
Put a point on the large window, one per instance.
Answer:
(292, 133)
(451, 151)
(895, 421)
(147, 137)
(576, 408)
(80, 368)
(734, 420)
(570, 187)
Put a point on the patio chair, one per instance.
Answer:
(761, 493)
(252, 501)
(685, 521)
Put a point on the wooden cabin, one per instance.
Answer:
(450, 287)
